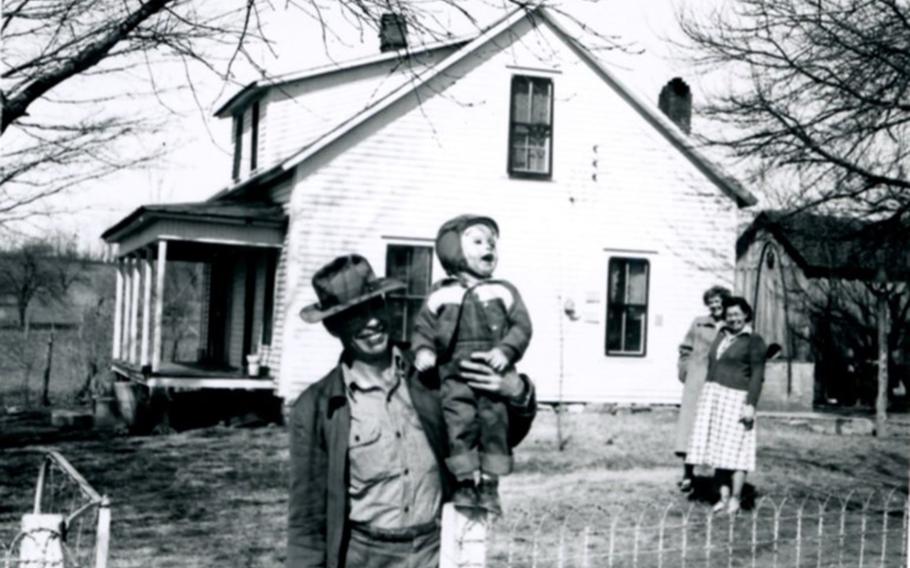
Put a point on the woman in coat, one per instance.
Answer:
(693, 368)
(724, 435)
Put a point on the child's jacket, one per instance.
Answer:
(456, 320)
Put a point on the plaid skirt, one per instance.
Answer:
(719, 439)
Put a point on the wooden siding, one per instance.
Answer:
(298, 113)
(281, 311)
(618, 188)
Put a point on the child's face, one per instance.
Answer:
(478, 244)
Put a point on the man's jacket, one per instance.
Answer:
(320, 423)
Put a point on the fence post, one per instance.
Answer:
(103, 539)
(584, 552)
(776, 545)
(799, 532)
(708, 525)
(822, 507)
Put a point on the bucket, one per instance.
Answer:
(252, 365)
(127, 403)
(104, 411)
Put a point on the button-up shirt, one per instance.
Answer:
(395, 479)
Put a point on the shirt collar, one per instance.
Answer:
(746, 330)
(361, 377)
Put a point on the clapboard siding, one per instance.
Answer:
(299, 112)
(617, 184)
(281, 311)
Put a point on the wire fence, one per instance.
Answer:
(855, 530)
(69, 526)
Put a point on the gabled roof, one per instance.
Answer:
(233, 212)
(833, 246)
(253, 90)
(648, 111)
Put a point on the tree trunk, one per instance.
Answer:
(45, 396)
(881, 401)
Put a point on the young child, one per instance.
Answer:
(470, 312)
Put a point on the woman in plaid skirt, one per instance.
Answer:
(724, 435)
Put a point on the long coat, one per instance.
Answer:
(693, 369)
(320, 424)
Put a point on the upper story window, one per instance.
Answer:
(413, 265)
(627, 306)
(238, 145)
(531, 127)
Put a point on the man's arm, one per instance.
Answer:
(307, 504)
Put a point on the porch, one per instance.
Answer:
(195, 294)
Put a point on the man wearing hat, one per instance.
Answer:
(368, 442)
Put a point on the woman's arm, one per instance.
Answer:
(685, 351)
(757, 355)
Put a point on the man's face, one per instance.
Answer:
(478, 244)
(364, 330)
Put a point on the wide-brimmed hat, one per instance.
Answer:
(344, 283)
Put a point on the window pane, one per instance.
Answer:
(633, 339)
(520, 99)
(397, 313)
(540, 105)
(614, 330)
(421, 265)
(519, 158)
(617, 281)
(537, 160)
(412, 265)
(638, 282)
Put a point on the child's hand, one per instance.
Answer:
(424, 359)
(497, 359)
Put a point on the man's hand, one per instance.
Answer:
(481, 376)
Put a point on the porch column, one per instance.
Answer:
(118, 311)
(161, 265)
(146, 306)
(134, 311)
(127, 309)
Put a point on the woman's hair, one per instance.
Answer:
(720, 291)
(741, 303)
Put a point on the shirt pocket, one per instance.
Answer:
(368, 465)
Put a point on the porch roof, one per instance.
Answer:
(246, 223)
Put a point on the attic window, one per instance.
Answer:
(238, 145)
(531, 127)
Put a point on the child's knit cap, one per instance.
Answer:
(448, 240)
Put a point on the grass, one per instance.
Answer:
(217, 497)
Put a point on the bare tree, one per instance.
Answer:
(816, 97)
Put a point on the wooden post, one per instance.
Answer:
(463, 543)
(134, 311)
(118, 313)
(127, 308)
(103, 537)
(161, 265)
(146, 308)
(881, 400)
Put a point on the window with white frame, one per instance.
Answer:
(531, 127)
(627, 306)
(413, 265)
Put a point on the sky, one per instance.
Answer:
(196, 145)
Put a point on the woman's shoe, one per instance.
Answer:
(685, 484)
(720, 506)
(733, 505)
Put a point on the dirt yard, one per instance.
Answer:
(217, 497)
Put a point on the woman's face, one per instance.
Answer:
(715, 307)
(735, 319)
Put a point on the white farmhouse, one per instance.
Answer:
(612, 222)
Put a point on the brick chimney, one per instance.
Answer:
(675, 101)
(393, 32)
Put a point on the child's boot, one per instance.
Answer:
(465, 496)
(489, 495)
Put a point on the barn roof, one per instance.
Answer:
(649, 111)
(835, 246)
